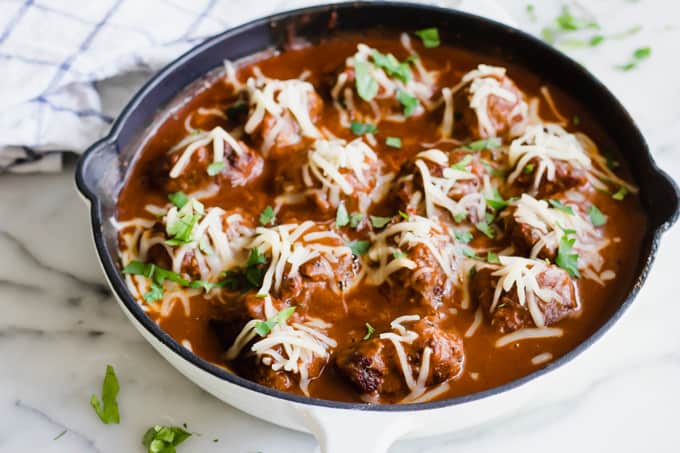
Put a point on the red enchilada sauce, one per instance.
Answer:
(367, 219)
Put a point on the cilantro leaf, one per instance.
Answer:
(107, 409)
(359, 247)
(620, 194)
(496, 201)
(393, 142)
(262, 328)
(379, 222)
(566, 258)
(528, 169)
(267, 216)
(460, 217)
(463, 236)
(568, 22)
(369, 331)
(410, 103)
(597, 218)
(485, 228)
(485, 143)
(429, 36)
(557, 204)
(216, 167)
(491, 257)
(392, 66)
(366, 85)
(341, 216)
(164, 439)
(179, 199)
(469, 253)
(463, 163)
(404, 215)
(358, 128)
(154, 294)
(398, 254)
(355, 218)
(180, 230)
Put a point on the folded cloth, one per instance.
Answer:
(59, 57)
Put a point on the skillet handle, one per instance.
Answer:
(98, 170)
(343, 431)
(665, 200)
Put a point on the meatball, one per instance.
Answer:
(290, 131)
(427, 284)
(373, 366)
(510, 315)
(238, 169)
(493, 106)
(567, 176)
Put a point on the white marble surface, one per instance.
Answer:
(59, 325)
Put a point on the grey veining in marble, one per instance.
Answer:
(59, 325)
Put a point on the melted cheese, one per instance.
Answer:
(278, 98)
(191, 143)
(403, 236)
(485, 81)
(522, 273)
(290, 347)
(289, 246)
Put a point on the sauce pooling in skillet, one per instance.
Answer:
(366, 219)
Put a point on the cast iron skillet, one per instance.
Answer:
(104, 166)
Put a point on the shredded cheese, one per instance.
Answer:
(192, 142)
(528, 334)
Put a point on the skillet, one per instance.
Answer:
(339, 426)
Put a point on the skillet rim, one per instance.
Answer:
(121, 292)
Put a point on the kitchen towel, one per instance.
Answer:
(63, 64)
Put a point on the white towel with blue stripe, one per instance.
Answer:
(64, 65)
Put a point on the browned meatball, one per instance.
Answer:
(372, 366)
(567, 176)
(509, 315)
(238, 170)
(506, 117)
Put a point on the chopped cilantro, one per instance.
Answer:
(460, 217)
(164, 439)
(355, 218)
(60, 435)
(157, 275)
(557, 204)
(496, 201)
(486, 228)
(359, 247)
(392, 66)
(404, 215)
(639, 55)
(369, 331)
(463, 163)
(566, 258)
(216, 167)
(155, 293)
(393, 142)
(341, 216)
(463, 236)
(267, 216)
(107, 409)
(596, 40)
(429, 36)
(620, 194)
(528, 169)
(180, 230)
(568, 22)
(358, 128)
(179, 199)
(491, 257)
(576, 120)
(597, 218)
(485, 143)
(262, 328)
(531, 12)
(380, 222)
(548, 35)
(398, 254)
(410, 103)
(366, 85)
(469, 253)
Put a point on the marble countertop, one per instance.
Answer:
(60, 326)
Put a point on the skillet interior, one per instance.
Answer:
(102, 171)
